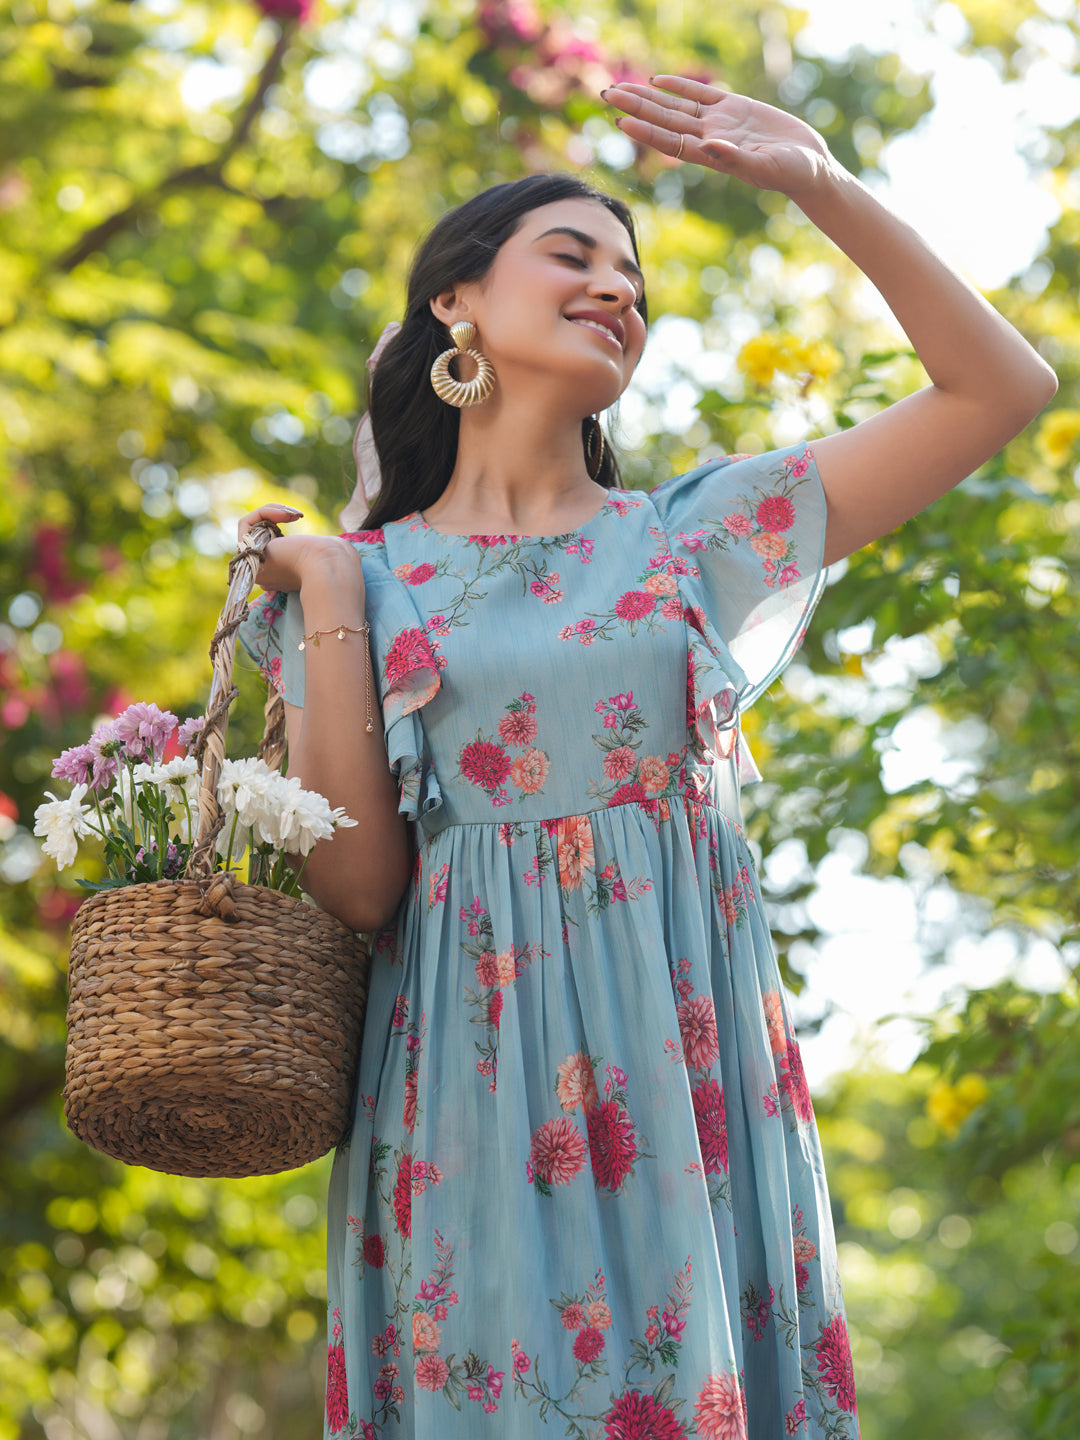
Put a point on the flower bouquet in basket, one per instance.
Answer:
(213, 1021)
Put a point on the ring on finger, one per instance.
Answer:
(697, 109)
(678, 152)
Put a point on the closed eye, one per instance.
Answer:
(574, 260)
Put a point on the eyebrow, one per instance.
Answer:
(589, 241)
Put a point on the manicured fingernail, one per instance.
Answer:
(603, 93)
(292, 510)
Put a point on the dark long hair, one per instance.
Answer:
(416, 433)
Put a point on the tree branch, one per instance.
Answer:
(209, 173)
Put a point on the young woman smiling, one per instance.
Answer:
(583, 1191)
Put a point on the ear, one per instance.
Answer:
(450, 306)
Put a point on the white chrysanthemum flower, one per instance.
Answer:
(250, 788)
(308, 818)
(62, 823)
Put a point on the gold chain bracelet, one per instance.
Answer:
(341, 631)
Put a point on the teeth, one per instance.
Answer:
(595, 325)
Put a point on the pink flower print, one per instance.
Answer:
(638, 1416)
(437, 881)
(494, 1380)
(506, 834)
(804, 1248)
(558, 1151)
(694, 616)
(547, 589)
(420, 573)
(521, 1362)
(800, 466)
(833, 1353)
(575, 851)
(802, 1276)
(403, 1196)
(711, 1121)
(652, 1333)
(401, 1011)
(426, 1335)
(574, 1316)
(409, 651)
(736, 524)
(484, 764)
(365, 537)
(623, 701)
(697, 1030)
(518, 727)
(719, 1409)
(795, 1419)
(576, 1083)
(619, 764)
(438, 625)
(653, 774)
(632, 794)
(588, 1345)
(495, 1009)
(529, 771)
(402, 572)
(793, 1081)
(505, 968)
(408, 1116)
(599, 1313)
(774, 1021)
(694, 541)
(635, 605)
(487, 968)
(337, 1389)
(776, 512)
(432, 1372)
(374, 1251)
(672, 609)
(612, 1144)
(662, 584)
(768, 545)
(788, 575)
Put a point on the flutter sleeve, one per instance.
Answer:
(405, 669)
(747, 536)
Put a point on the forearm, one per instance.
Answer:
(361, 873)
(966, 347)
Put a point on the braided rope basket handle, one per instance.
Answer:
(243, 569)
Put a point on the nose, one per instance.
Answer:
(614, 288)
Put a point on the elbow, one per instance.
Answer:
(1040, 389)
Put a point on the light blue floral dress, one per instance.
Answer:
(583, 1193)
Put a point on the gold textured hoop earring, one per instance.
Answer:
(461, 393)
(594, 448)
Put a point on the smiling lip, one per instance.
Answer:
(600, 317)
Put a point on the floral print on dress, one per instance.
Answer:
(762, 519)
(488, 764)
(496, 972)
(617, 1030)
(637, 1410)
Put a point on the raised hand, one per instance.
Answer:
(754, 142)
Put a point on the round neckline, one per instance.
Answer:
(505, 539)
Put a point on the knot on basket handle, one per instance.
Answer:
(219, 897)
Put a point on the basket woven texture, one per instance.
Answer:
(213, 1027)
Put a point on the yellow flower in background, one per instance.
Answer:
(1058, 434)
(767, 353)
(950, 1105)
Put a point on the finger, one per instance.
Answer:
(273, 514)
(652, 106)
(631, 97)
(694, 90)
(676, 144)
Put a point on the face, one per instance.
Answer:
(557, 307)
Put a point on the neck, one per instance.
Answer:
(519, 470)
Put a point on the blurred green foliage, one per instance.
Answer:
(205, 220)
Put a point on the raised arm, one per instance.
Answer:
(360, 874)
(987, 382)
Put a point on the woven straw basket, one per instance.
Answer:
(213, 1027)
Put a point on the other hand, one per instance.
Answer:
(289, 561)
(754, 142)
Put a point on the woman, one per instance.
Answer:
(583, 1193)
